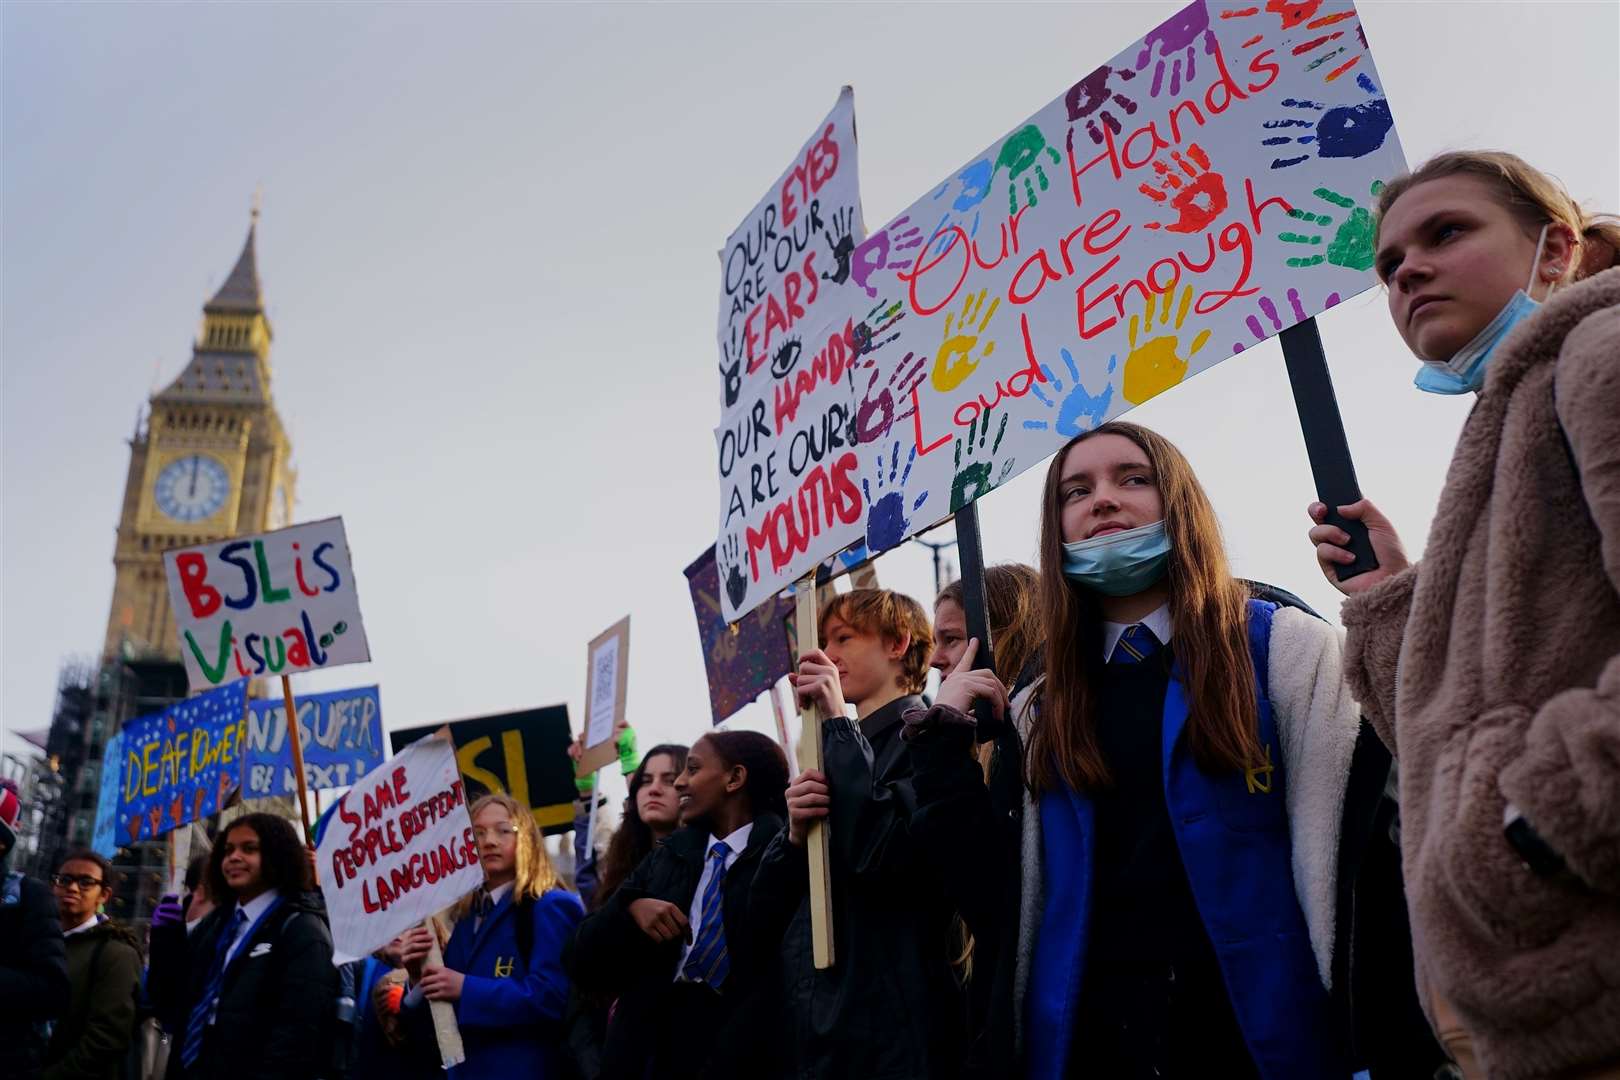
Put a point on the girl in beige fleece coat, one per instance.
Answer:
(1492, 669)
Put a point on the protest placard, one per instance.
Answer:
(1207, 188)
(340, 733)
(523, 754)
(104, 838)
(399, 848)
(743, 658)
(607, 677)
(791, 297)
(273, 604)
(181, 763)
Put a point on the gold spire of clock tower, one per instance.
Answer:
(213, 460)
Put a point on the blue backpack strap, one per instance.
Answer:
(1260, 613)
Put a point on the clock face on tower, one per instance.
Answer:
(192, 488)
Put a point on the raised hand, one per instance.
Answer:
(965, 685)
(808, 799)
(817, 683)
(1330, 541)
(660, 920)
(414, 946)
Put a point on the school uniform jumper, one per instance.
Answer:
(510, 1013)
(1234, 950)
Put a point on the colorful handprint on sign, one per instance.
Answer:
(1155, 364)
(1344, 131)
(1021, 156)
(1351, 243)
(956, 360)
(1198, 200)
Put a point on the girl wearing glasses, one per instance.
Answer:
(503, 965)
(92, 1038)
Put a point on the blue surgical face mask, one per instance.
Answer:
(1465, 371)
(1119, 563)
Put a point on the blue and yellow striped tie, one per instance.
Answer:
(708, 962)
(1136, 644)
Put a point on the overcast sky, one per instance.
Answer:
(488, 247)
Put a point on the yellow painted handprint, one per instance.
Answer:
(1155, 365)
(955, 360)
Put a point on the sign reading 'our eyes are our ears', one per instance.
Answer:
(273, 604)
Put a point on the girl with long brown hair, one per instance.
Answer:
(1187, 757)
(1492, 668)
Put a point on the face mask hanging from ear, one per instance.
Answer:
(1465, 371)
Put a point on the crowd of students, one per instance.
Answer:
(1184, 827)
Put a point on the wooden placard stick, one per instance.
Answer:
(297, 752)
(821, 929)
(445, 1029)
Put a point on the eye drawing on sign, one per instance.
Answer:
(886, 520)
(843, 223)
(864, 337)
(873, 253)
(876, 413)
(1090, 96)
(1019, 154)
(973, 481)
(1199, 200)
(1156, 365)
(1345, 131)
(1177, 33)
(974, 185)
(955, 360)
(785, 357)
(1077, 405)
(736, 583)
(1352, 242)
(1268, 308)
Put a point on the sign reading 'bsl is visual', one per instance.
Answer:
(274, 604)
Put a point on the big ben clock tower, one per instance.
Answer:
(213, 461)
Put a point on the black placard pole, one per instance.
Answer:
(1325, 442)
(971, 553)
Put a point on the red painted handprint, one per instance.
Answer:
(1198, 200)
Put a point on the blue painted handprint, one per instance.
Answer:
(973, 184)
(1077, 406)
(886, 515)
(1344, 131)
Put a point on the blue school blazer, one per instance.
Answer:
(1234, 846)
(512, 1018)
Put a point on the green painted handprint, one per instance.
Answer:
(1021, 151)
(1351, 244)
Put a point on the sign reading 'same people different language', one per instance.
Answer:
(399, 848)
(790, 280)
(340, 733)
(266, 605)
(180, 764)
(1208, 187)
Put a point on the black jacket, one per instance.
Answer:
(890, 1008)
(33, 973)
(659, 1027)
(278, 1006)
(1373, 991)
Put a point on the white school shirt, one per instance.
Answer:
(735, 842)
(1157, 620)
(93, 920)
